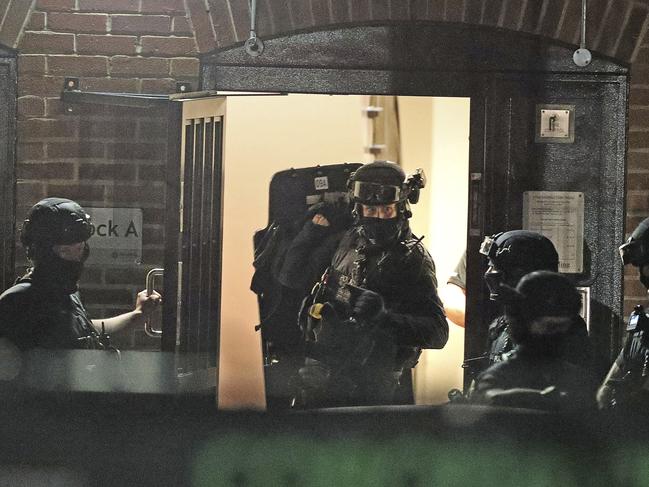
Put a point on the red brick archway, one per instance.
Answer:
(614, 28)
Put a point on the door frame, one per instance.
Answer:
(415, 59)
(8, 117)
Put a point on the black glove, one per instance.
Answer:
(314, 374)
(333, 331)
(337, 214)
(369, 306)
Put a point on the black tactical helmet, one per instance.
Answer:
(55, 221)
(521, 249)
(512, 255)
(548, 293)
(544, 304)
(636, 249)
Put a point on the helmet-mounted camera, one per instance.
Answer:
(414, 183)
(489, 247)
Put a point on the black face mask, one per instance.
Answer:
(551, 345)
(494, 280)
(57, 273)
(381, 231)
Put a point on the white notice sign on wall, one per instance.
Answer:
(559, 215)
(116, 237)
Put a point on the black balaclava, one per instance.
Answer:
(513, 254)
(50, 222)
(55, 272)
(541, 312)
(383, 232)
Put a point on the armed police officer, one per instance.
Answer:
(376, 305)
(512, 255)
(540, 313)
(43, 310)
(627, 382)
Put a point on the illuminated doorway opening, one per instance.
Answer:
(265, 135)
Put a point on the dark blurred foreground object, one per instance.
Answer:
(626, 385)
(181, 440)
(540, 311)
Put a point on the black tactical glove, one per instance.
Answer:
(333, 332)
(337, 214)
(369, 306)
(314, 374)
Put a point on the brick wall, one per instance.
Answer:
(637, 165)
(99, 156)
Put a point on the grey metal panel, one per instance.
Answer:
(594, 164)
(337, 81)
(439, 47)
(7, 168)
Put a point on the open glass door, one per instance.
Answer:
(155, 198)
(192, 277)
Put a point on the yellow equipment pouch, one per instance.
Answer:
(315, 309)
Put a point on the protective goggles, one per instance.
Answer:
(79, 231)
(373, 193)
(77, 228)
(633, 252)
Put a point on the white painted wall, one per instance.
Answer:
(265, 135)
(435, 136)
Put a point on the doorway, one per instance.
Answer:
(265, 135)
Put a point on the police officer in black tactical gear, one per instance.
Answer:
(627, 382)
(512, 255)
(537, 374)
(375, 306)
(43, 310)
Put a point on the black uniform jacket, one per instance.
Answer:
(34, 315)
(577, 349)
(404, 275)
(529, 370)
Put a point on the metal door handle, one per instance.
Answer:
(150, 279)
